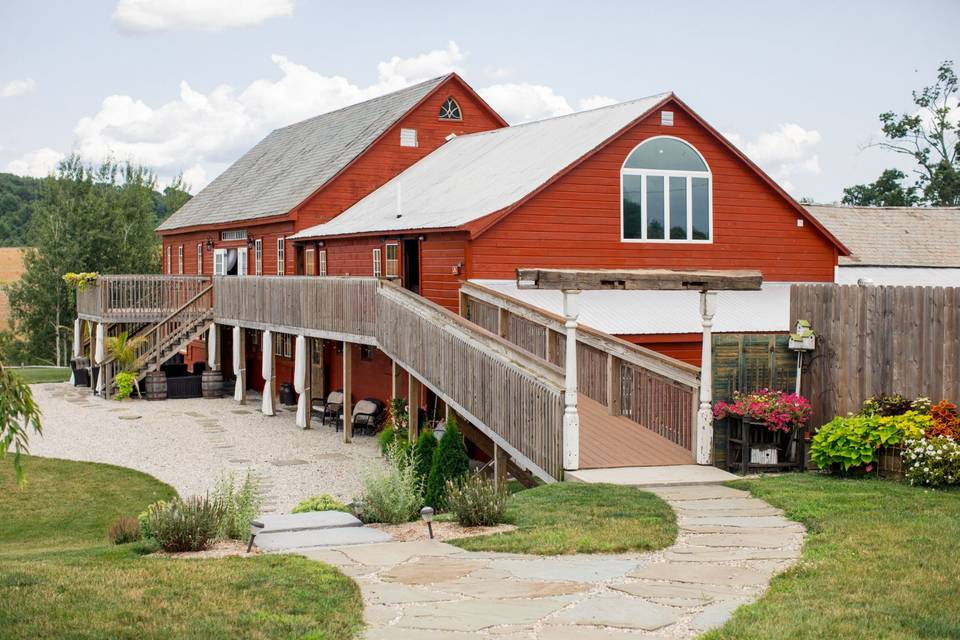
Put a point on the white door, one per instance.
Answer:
(242, 262)
(219, 262)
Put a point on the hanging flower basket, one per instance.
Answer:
(80, 280)
(776, 410)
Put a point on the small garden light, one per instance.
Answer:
(358, 509)
(427, 514)
(255, 527)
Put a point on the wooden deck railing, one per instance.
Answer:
(137, 298)
(657, 392)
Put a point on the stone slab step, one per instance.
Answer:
(306, 521)
(314, 538)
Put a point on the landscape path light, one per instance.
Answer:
(427, 514)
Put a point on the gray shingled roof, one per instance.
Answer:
(894, 236)
(293, 162)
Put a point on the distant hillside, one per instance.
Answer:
(18, 193)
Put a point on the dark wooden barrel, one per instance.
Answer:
(156, 385)
(212, 384)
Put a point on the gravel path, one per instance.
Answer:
(190, 443)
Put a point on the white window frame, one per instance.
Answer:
(180, 260)
(287, 345)
(395, 261)
(233, 234)
(688, 175)
(243, 264)
(310, 261)
(281, 255)
(278, 345)
(322, 262)
(258, 256)
(219, 262)
(199, 258)
(169, 260)
(409, 138)
(377, 264)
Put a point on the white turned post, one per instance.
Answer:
(708, 307)
(571, 420)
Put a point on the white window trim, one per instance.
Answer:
(219, 262)
(689, 175)
(180, 259)
(377, 263)
(233, 234)
(322, 262)
(258, 256)
(281, 255)
(199, 258)
(395, 261)
(243, 263)
(169, 260)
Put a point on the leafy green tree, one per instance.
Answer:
(423, 454)
(17, 196)
(887, 191)
(88, 218)
(450, 462)
(929, 136)
(18, 414)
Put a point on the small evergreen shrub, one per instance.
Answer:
(426, 445)
(123, 530)
(240, 504)
(322, 502)
(476, 501)
(450, 462)
(185, 525)
(393, 495)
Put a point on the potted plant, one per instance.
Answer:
(767, 419)
(123, 349)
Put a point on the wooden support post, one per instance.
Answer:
(347, 396)
(499, 467)
(463, 301)
(613, 384)
(704, 431)
(413, 407)
(395, 371)
(308, 387)
(242, 377)
(550, 349)
(503, 322)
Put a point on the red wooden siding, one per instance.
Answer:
(267, 232)
(575, 222)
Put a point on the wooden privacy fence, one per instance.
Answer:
(878, 339)
(653, 390)
(137, 298)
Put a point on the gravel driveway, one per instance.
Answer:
(190, 443)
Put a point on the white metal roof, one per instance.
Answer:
(474, 175)
(653, 312)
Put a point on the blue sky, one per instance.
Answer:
(188, 85)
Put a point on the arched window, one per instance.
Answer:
(666, 193)
(450, 110)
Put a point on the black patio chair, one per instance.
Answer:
(368, 415)
(332, 408)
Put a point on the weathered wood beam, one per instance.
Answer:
(413, 407)
(347, 396)
(639, 279)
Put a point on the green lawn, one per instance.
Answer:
(572, 517)
(34, 375)
(60, 578)
(882, 560)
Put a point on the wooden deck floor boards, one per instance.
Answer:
(615, 441)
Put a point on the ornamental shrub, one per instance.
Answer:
(934, 462)
(395, 427)
(426, 445)
(945, 421)
(852, 441)
(884, 405)
(476, 501)
(779, 411)
(393, 494)
(123, 530)
(450, 462)
(322, 502)
(185, 525)
(240, 505)
(125, 381)
(146, 516)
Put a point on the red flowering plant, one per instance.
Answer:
(779, 411)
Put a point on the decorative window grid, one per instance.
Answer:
(281, 255)
(450, 110)
(322, 256)
(393, 260)
(199, 258)
(258, 256)
(408, 137)
(310, 262)
(377, 267)
(169, 260)
(233, 234)
(180, 259)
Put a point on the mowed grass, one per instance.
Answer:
(61, 578)
(881, 560)
(35, 375)
(572, 517)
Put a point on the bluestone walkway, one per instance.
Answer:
(728, 548)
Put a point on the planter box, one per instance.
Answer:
(185, 387)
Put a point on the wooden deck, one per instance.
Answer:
(616, 441)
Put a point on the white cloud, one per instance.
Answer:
(196, 15)
(785, 152)
(595, 102)
(199, 129)
(38, 163)
(17, 88)
(523, 102)
(497, 73)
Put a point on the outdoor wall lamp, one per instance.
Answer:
(250, 242)
(209, 243)
(427, 514)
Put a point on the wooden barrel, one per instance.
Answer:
(212, 385)
(156, 385)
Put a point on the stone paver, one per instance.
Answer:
(728, 547)
(309, 520)
(309, 538)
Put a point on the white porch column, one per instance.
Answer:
(708, 307)
(571, 419)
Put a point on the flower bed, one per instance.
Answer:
(777, 410)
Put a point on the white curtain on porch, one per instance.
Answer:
(76, 346)
(239, 371)
(267, 370)
(212, 348)
(100, 355)
(300, 381)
